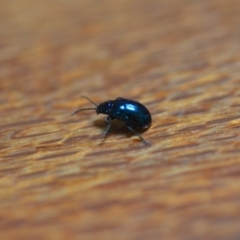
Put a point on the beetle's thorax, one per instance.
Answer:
(105, 107)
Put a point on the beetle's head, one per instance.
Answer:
(105, 107)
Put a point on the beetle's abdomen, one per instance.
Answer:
(134, 114)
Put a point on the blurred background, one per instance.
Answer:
(59, 178)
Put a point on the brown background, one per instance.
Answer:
(60, 179)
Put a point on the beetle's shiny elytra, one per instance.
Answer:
(135, 115)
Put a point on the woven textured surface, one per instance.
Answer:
(59, 178)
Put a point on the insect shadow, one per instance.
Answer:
(118, 128)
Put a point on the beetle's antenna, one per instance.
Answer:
(82, 109)
(90, 100)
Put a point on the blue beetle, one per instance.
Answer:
(135, 115)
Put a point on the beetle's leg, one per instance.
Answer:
(146, 142)
(109, 126)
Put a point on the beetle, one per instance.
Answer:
(134, 114)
